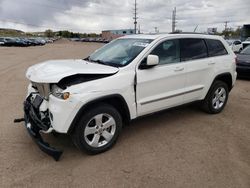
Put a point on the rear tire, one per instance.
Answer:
(216, 98)
(98, 129)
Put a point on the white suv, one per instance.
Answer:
(132, 76)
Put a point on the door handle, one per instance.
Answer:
(211, 63)
(179, 69)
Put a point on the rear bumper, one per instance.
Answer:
(34, 126)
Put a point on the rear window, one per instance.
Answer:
(215, 48)
(193, 49)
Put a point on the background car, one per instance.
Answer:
(243, 63)
(34, 41)
(235, 45)
(20, 42)
(246, 42)
(8, 41)
(1, 41)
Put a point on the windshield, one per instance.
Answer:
(246, 50)
(119, 52)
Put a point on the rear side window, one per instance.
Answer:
(215, 48)
(193, 49)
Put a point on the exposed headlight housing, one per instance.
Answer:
(58, 92)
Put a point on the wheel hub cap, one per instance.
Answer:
(219, 98)
(100, 130)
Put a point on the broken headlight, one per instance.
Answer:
(59, 93)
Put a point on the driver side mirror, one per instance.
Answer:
(149, 62)
(152, 60)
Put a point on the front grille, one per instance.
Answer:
(42, 88)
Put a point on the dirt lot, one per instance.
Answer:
(181, 147)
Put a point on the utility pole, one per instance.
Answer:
(135, 16)
(174, 20)
(156, 30)
(226, 29)
(226, 22)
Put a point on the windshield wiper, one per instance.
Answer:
(101, 62)
(95, 61)
(87, 58)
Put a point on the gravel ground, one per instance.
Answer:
(181, 147)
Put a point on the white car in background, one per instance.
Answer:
(91, 99)
(236, 45)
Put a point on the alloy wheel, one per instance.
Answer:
(100, 130)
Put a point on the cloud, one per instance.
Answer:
(97, 15)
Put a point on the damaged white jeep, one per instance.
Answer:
(91, 99)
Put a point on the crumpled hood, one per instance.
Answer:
(54, 70)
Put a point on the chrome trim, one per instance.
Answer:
(171, 96)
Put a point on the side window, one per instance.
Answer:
(215, 48)
(193, 49)
(168, 52)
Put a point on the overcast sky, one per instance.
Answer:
(97, 15)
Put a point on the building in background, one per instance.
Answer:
(113, 34)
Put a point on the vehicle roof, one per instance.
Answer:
(232, 40)
(170, 35)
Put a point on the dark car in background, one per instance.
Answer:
(1, 41)
(20, 42)
(8, 41)
(246, 42)
(243, 63)
(24, 42)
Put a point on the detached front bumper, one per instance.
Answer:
(34, 125)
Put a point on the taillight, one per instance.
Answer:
(236, 60)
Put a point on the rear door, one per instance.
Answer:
(203, 58)
(198, 67)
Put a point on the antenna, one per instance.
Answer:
(195, 28)
(135, 16)
(174, 20)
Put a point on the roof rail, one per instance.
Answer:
(180, 32)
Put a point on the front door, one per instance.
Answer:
(162, 86)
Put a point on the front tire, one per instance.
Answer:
(98, 129)
(216, 98)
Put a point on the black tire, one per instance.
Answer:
(207, 103)
(83, 142)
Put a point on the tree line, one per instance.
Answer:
(68, 34)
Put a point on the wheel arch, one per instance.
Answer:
(115, 100)
(225, 77)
